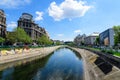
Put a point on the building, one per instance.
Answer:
(79, 40)
(107, 37)
(31, 28)
(58, 42)
(2, 24)
(90, 40)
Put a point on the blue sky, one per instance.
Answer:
(64, 19)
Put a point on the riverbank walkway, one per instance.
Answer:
(19, 54)
(96, 67)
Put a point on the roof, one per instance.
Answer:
(94, 34)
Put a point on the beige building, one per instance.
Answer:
(90, 40)
(31, 28)
(79, 39)
(2, 24)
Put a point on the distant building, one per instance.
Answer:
(107, 37)
(31, 28)
(58, 41)
(2, 24)
(90, 40)
(79, 40)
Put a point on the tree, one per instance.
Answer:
(2, 40)
(18, 35)
(44, 40)
(97, 41)
(27, 39)
(82, 43)
(50, 42)
(21, 36)
(117, 34)
(11, 37)
(58, 43)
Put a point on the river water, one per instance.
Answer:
(62, 64)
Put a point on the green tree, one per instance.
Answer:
(27, 39)
(50, 42)
(82, 43)
(44, 40)
(2, 40)
(97, 41)
(18, 35)
(21, 36)
(58, 43)
(11, 37)
(117, 34)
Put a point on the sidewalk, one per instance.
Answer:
(27, 54)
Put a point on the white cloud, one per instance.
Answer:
(68, 9)
(39, 16)
(77, 31)
(13, 3)
(60, 35)
(12, 25)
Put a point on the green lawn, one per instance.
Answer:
(117, 54)
(95, 49)
(105, 51)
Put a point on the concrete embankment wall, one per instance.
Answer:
(96, 68)
(42, 52)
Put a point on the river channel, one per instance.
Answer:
(62, 64)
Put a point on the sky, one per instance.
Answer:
(65, 19)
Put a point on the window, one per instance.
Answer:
(23, 23)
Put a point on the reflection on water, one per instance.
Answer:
(63, 64)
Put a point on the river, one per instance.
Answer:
(62, 64)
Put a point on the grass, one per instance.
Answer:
(111, 52)
(95, 49)
(114, 53)
(5, 48)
